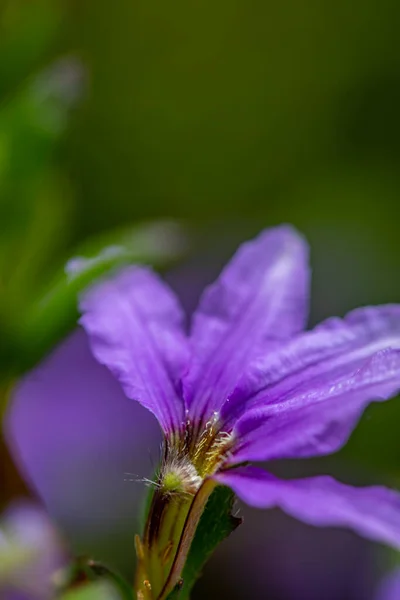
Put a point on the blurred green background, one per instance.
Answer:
(224, 116)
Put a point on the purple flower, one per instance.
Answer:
(247, 385)
(390, 588)
(30, 554)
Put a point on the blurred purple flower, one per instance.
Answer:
(78, 440)
(31, 553)
(390, 588)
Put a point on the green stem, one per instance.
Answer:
(189, 529)
(171, 524)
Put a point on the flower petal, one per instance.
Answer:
(321, 420)
(135, 327)
(373, 512)
(334, 350)
(260, 299)
(390, 588)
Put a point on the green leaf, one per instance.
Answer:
(216, 524)
(35, 198)
(99, 590)
(87, 574)
(100, 570)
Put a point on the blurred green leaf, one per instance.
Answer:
(99, 590)
(32, 121)
(123, 587)
(87, 570)
(28, 256)
(31, 125)
(35, 200)
(29, 32)
(13, 557)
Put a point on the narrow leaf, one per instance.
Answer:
(216, 524)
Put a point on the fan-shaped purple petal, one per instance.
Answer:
(321, 419)
(135, 327)
(334, 349)
(373, 512)
(260, 299)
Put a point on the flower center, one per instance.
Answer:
(182, 489)
(205, 448)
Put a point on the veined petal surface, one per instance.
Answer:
(320, 419)
(373, 512)
(135, 328)
(260, 299)
(332, 351)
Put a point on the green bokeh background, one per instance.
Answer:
(228, 116)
